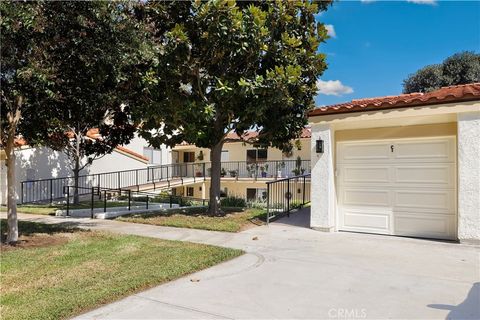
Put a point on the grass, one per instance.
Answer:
(90, 269)
(195, 218)
(49, 209)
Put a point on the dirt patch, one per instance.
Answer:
(36, 241)
(251, 224)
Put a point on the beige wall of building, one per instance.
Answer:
(237, 151)
(238, 188)
(426, 130)
(232, 188)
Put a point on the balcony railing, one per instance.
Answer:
(48, 190)
(264, 169)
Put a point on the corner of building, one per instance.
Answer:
(468, 126)
(323, 197)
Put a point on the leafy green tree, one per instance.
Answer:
(96, 47)
(67, 67)
(460, 68)
(26, 78)
(226, 66)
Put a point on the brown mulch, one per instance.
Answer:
(34, 241)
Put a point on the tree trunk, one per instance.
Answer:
(216, 163)
(12, 221)
(13, 118)
(76, 168)
(76, 174)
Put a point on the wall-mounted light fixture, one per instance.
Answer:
(319, 146)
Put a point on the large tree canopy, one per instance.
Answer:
(95, 47)
(67, 67)
(226, 66)
(460, 68)
(26, 78)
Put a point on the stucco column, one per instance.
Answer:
(204, 194)
(469, 176)
(322, 196)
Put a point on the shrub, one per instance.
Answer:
(257, 204)
(295, 205)
(232, 201)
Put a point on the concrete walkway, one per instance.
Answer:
(294, 272)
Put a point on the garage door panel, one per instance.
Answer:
(367, 221)
(424, 200)
(438, 150)
(366, 174)
(417, 224)
(410, 191)
(363, 152)
(366, 197)
(442, 176)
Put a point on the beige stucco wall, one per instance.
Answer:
(239, 188)
(428, 130)
(468, 138)
(237, 151)
(235, 188)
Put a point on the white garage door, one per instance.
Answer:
(401, 187)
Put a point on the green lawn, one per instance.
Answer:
(48, 209)
(89, 269)
(196, 218)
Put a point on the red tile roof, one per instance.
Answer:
(306, 133)
(20, 142)
(249, 135)
(132, 153)
(459, 93)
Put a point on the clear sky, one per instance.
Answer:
(374, 45)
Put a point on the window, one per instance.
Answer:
(254, 194)
(225, 156)
(251, 155)
(30, 174)
(251, 194)
(154, 155)
(256, 155)
(189, 157)
(262, 155)
(190, 191)
(262, 193)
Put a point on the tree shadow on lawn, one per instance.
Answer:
(36, 234)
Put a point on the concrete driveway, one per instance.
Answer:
(295, 272)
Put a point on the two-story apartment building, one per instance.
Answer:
(245, 168)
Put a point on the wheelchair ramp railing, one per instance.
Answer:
(96, 199)
(163, 176)
(49, 190)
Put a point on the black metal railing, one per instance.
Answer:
(264, 169)
(49, 190)
(285, 195)
(102, 198)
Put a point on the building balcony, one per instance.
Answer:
(235, 170)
